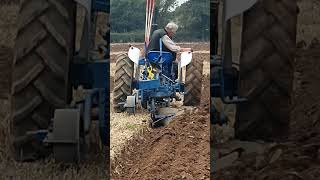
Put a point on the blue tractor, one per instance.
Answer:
(47, 67)
(152, 82)
(154, 79)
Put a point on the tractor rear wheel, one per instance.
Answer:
(122, 81)
(40, 76)
(193, 84)
(266, 70)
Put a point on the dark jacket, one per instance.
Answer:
(154, 44)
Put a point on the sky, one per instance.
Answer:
(181, 2)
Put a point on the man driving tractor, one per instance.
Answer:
(168, 45)
(166, 36)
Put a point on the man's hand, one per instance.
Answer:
(185, 49)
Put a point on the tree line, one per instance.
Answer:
(127, 19)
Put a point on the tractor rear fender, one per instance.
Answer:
(134, 54)
(186, 58)
(235, 7)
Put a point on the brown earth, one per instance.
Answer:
(287, 161)
(179, 150)
(305, 114)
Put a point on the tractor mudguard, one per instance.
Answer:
(134, 54)
(235, 7)
(186, 58)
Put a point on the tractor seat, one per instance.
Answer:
(153, 56)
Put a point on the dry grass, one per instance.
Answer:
(4, 111)
(8, 25)
(48, 169)
(308, 20)
(223, 133)
(123, 127)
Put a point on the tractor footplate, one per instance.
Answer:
(66, 136)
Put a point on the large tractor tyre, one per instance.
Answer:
(44, 48)
(122, 81)
(266, 70)
(193, 84)
(6, 59)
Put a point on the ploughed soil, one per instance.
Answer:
(179, 150)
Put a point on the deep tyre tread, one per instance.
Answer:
(44, 48)
(122, 81)
(266, 70)
(193, 84)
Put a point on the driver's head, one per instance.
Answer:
(171, 28)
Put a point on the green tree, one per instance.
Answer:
(127, 15)
(193, 18)
(163, 14)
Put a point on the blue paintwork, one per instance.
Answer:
(94, 76)
(101, 6)
(163, 59)
(104, 125)
(158, 57)
(90, 75)
(148, 84)
(225, 87)
(142, 62)
(41, 135)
